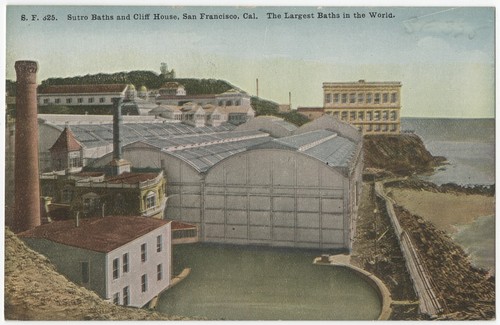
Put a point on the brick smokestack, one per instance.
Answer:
(118, 164)
(27, 189)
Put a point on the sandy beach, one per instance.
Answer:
(444, 210)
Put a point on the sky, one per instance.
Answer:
(443, 56)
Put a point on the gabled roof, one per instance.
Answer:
(82, 89)
(96, 234)
(66, 142)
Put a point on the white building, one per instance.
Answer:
(264, 183)
(81, 95)
(126, 260)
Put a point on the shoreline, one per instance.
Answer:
(446, 210)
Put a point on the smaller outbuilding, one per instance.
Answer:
(126, 260)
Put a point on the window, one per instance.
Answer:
(377, 98)
(353, 116)
(229, 103)
(116, 268)
(144, 283)
(361, 116)
(394, 97)
(344, 115)
(336, 114)
(393, 115)
(102, 100)
(116, 298)
(126, 296)
(75, 162)
(57, 100)
(385, 115)
(46, 101)
(369, 127)
(361, 97)
(90, 100)
(368, 98)
(221, 103)
(344, 98)
(393, 127)
(125, 263)
(68, 100)
(376, 116)
(384, 127)
(385, 97)
(85, 272)
(336, 98)
(352, 98)
(159, 272)
(144, 253)
(238, 103)
(369, 116)
(80, 100)
(158, 243)
(150, 200)
(328, 98)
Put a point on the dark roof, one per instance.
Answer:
(310, 109)
(177, 225)
(130, 178)
(96, 234)
(83, 89)
(66, 142)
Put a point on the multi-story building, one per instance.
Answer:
(127, 260)
(373, 107)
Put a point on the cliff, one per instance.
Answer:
(400, 154)
(35, 291)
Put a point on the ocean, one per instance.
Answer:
(469, 146)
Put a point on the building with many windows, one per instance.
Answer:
(81, 95)
(126, 260)
(373, 107)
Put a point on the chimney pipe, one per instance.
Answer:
(257, 85)
(77, 221)
(27, 190)
(117, 125)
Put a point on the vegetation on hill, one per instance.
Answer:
(267, 107)
(150, 79)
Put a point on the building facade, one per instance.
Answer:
(127, 260)
(82, 95)
(372, 107)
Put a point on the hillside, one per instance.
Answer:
(35, 291)
(401, 154)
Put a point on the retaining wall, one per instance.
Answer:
(428, 301)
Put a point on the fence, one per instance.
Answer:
(428, 301)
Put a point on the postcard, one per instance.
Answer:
(249, 162)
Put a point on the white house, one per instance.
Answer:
(126, 260)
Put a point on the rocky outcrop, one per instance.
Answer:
(400, 154)
(416, 184)
(35, 291)
(467, 292)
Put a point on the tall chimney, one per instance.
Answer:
(118, 164)
(27, 190)
(257, 85)
(117, 125)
